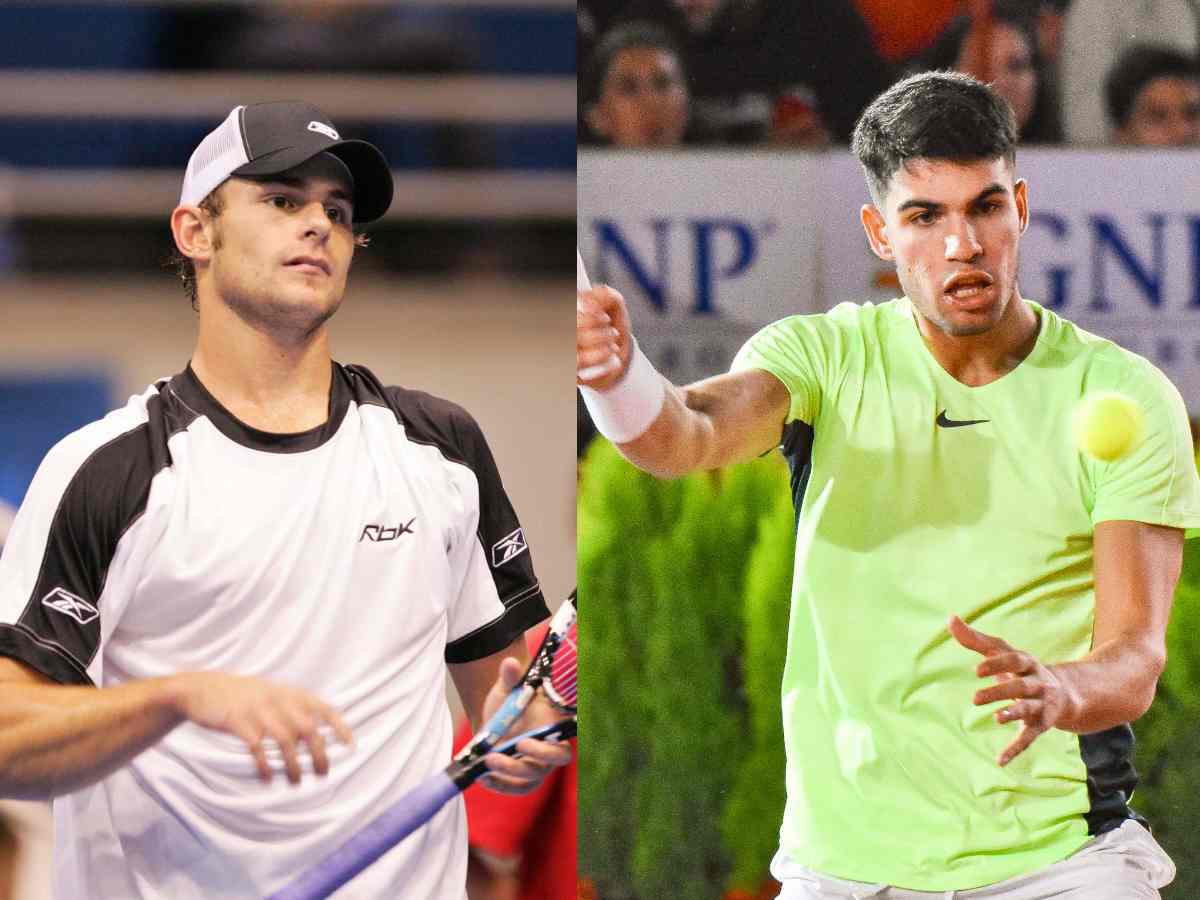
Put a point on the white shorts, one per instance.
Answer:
(1123, 864)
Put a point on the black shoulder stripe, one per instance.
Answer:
(104, 498)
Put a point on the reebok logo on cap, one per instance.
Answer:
(324, 129)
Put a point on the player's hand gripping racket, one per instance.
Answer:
(552, 671)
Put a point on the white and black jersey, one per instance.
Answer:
(353, 560)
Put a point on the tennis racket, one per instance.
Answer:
(552, 672)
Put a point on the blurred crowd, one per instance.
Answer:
(669, 73)
(487, 186)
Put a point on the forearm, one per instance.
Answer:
(646, 417)
(58, 739)
(712, 423)
(1113, 685)
(663, 429)
(677, 442)
(476, 680)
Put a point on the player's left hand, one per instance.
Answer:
(1042, 699)
(524, 773)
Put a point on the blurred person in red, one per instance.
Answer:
(1152, 97)
(904, 30)
(796, 120)
(637, 93)
(522, 846)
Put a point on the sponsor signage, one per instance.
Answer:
(708, 247)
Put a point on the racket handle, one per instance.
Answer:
(561, 730)
(372, 841)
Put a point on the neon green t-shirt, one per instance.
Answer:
(949, 499)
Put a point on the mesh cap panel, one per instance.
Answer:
(216, 158)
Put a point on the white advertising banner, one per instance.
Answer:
(705, 248)
(709, 247)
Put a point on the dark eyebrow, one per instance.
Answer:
(989, 191)
(929, 205)
(921, 204)
(297, 183)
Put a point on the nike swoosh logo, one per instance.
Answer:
(945, 422)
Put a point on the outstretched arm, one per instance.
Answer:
(55, 739)
(1137, 568)
(664, 429)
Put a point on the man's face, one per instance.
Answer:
(282, 245)
(644, 102)
(1166, 113)
(952, 230)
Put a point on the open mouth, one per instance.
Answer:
(968, 287)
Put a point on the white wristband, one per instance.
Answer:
(630, 406)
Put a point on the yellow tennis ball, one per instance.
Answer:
(1107, 425)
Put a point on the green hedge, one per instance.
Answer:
(662, 575)
(685, 586)
(1168, 738)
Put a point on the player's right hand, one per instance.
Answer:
(526, 771)
(603, 338)
(255, 709)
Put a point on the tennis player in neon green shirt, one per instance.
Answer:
(983, 608)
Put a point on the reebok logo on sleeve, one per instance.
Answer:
(65, 602)
(508, 547)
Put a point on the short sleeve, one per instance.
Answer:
(63, 540)
(797, 351)
(499, 596)
(1157, 483)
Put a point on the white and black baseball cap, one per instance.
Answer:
(269, 138)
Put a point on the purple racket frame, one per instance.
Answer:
(420, 804)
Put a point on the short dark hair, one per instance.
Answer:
(623, 37)
(932, 115)
(1136, 67)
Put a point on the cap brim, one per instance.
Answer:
(372, 176)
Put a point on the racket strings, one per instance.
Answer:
(561, 686)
